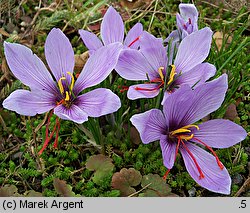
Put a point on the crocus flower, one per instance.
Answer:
(150, 64)
(176, 129)
(186, 23)
(62, 95)
(112, 30)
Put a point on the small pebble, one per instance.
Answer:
(237, 179)
(192, 192)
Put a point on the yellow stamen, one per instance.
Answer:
(184, 130)
(191, 125)
(186, 137)
(67, 96)
(72, 81)
(160, 73)
(60, 84)
(172, 74)
(181, 130)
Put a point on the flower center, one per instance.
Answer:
(178, 133)
(187, 26)
(160, 80)
(66, 93)
(182, 136)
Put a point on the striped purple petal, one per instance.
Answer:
(98, 102)
(59, 54)
(28, 68)
(215, 179)
(112, 27)
(151, 125)
(29, 103)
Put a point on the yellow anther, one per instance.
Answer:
(184, 130)
(186, 137)
(172, 74)
(60, 84)
(160, 73)
(67, 96)
(191, 125)
(181, 130)
(72, 80)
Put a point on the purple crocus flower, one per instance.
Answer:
(62, 95)
(176, 129)
(150, 63)
(186, 23)
(112, 30)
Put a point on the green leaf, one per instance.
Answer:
(125, 179)
(102, 165)
(155, 186)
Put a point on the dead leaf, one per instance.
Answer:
(3, 32)
(231, 112)
(125, 179)
(62, 188)
(95, 27)
(134, 134)
(80, 61)
(218, 37)
(132, 4)
(33, 193)
(8, 191)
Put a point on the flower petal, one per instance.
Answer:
(98, 67)
(174, 41)
(99, 102)
(215, 180)
(150, 124)
(132, 35)
(112, 27)
(74, 113)
(28, 68)
(168, 152)
(186, 106)
(28, 103)
(132, 65)
(197, 76)
(180, 22)
(91, 41)
(153, 50)
(173, 106)
(173, 36)
(219, 133)
(207, 98)
(193, 50)
(59, 54)
(189, 11)
(134, 93)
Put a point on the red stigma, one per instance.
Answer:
(184, 26)
(176, 151)
(166, 174)
(189, 20)
(194, 160)
(134, 41)
(213, 152)
(157, 80)
(49, 137)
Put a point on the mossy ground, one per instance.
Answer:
(113, 135)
